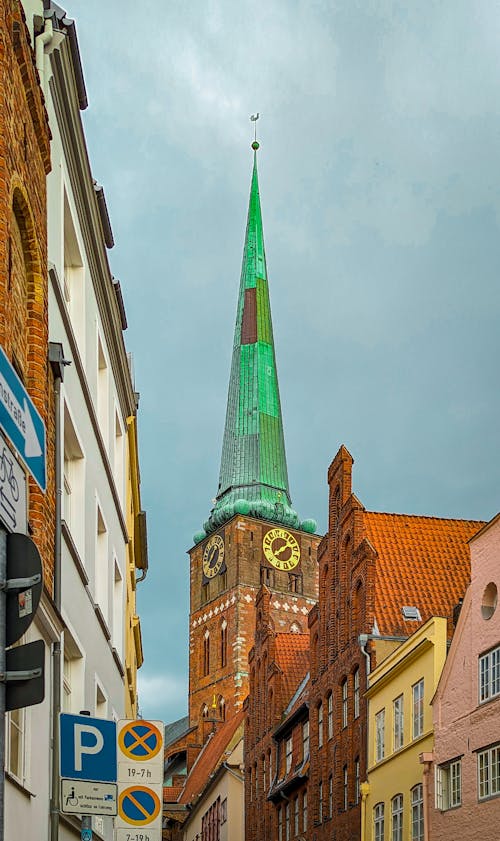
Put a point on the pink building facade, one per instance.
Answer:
(464, 784)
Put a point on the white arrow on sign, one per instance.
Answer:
(22, 419)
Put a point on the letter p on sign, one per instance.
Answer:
(80, 748)
(88, 748)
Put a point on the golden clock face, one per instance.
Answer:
(281, 549)
(213, 556)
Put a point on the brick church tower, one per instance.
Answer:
(252, 536)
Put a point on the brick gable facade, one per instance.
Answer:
(24, 164)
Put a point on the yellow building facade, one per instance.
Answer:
(136, 570)
(395, 798)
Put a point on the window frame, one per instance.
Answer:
(397, 810)
(492, 755)
(344, 703)
(380, 735)
(356, 691)
(417, 696)
(417, 812)
(320, 724)
(379, 822)
(489, 666)
(398, 722)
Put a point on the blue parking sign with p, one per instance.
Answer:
(88, 748)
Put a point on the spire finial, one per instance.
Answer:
(254, 118)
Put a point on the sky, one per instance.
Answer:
(380, 188)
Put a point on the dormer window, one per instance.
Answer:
(411, 613)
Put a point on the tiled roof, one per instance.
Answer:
(171, 793)
(422, 562)
(292, 657)
(212, 755)
(175, 729)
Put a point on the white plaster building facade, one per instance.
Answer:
(86, 323)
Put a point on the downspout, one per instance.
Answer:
(364, 787)
(426, 760)
(57, 363)
(364, 791)
(41, 42)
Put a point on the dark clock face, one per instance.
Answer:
(213, 556)
(281, 549)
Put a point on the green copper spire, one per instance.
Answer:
(253, 475)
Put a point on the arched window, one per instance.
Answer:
(397, 818)
(330, 714)
(378, 822)
(223, 643)
(320, 724)
(417, 813)
(206, 654)
(204, 711)
(222, 709)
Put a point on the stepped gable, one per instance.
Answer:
(211, 757)
(422, 562)
(292, 657)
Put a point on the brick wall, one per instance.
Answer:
(24, 163)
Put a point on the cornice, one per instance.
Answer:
(64, 95)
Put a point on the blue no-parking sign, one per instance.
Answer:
(88, 748)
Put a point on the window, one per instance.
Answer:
(304, 811)
(101, 564)
(280, 824)
(223, 811)
(296, 816)
(101, 702)
(356, 693)
(380, 735)
(118, 609)
(16, 761)
(222, 709)
(223, 643)
(330, 796)
(102, 392)
(118, 456)
(206, 654)
(267, 576)
(345, 787)
(344, 703)
(305, 739)
(418, 708)
(397, 818)
(330, 715)
(417, 813)
(294, 583)
(74, 483)
(398, 723)
(488, 767)
(356, 780)
(205, 592)
(270, 765)
(449, 785)
(287, 822)
(320, 724)
(256, 780)
(378, 822)
(320, 801)
(489, 675)
(288, 754)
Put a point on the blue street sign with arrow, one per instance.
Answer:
(21, 421)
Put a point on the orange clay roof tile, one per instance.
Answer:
(422, 562)
(292, 657)
(210, 758)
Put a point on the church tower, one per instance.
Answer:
(252, 536)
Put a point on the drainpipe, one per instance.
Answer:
(41, 42)
(57, 363)
(426, 760)
(364, 790)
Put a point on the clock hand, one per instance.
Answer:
(280, 551)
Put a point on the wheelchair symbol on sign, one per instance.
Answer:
(71, 799)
